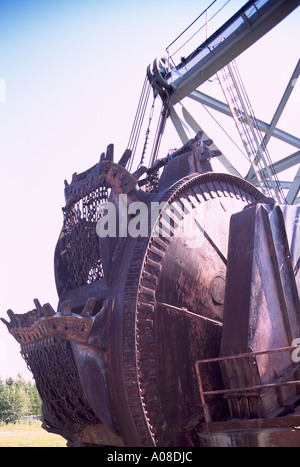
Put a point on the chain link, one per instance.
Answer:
(51, 361)
(82, 250)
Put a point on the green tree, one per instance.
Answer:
(35, 401)
(2, 398)
(14, 400)
(18, 398)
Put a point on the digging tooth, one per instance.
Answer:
(102, 157)
(66, 308)
(110, 152)
(10, 314)
(39, 307)
(7, 324)
(88, 307)
(48, 310)
(27, 319)
(125, 158)
(208, 142)
(12, 318)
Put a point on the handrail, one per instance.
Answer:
(203, 393)
(243, 29)
(218, 33)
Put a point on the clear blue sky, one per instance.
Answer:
(73, 72)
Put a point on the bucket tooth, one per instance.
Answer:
(7, 324)
(110, 152)
(12, 317)
(125, 158)
(66, 308)
(88, 307)
(38, 307)
(48, 310)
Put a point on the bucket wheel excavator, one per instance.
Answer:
(178, 312)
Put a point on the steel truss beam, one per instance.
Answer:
(270, 130)
(242, 30)
(233, 38)
(261, 125)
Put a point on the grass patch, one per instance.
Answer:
(28, 434)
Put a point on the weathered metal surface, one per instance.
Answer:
(260, 322)
(249, 401)
(291, 215)
(263, 313)
(115, 363)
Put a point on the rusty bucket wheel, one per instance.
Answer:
(172, 315)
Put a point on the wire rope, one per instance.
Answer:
(138, 121)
